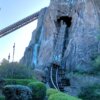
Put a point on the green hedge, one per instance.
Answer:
(19, 81)
(57, 95)
(62, 96)
(2, 98)
(38, 90)
(51, 91)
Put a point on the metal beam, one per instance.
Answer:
(19, 24)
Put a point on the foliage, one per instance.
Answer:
(96, 63)
(90, 93)
(62, 96)
(15, 70)
(2, 98)
(51, 91)
(17, 92)
(4, 62)
(38, 89)
(96, 59)
(18, 81)
(57, 95)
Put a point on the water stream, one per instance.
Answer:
(36, 48)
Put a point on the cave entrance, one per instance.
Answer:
(66, 19)
(55, 65)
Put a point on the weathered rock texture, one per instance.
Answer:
(67, 34)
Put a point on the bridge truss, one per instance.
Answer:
(19, 24)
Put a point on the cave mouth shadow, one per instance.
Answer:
(66, 19)
(65, 80)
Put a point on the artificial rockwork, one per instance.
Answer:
(67, 34)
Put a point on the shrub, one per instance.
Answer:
(38, 90)
(15, 70)
(18, 81)
(2, 98)
(4, 62)
(96, 63)
(90, 93)
(17, 92)
(62, 96)
(54, 94)
(51, 91)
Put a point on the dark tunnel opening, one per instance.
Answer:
(65, 19)
(66, 82)
(55, 65)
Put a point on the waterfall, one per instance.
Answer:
(36, 48)
(35, 53)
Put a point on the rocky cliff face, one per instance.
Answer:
(66, 34)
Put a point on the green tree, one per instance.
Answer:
(4, 62)
(15, 70)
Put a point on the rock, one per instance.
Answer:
(17, 92)
(67, 33)
(72, 91)
(79, 81)
(39, 75)
(31, 52)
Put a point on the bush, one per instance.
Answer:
(62, 96)
(54, 94)
(51, 91)
(38, 90)
(2, 98)
(15, 70)
(96, 63)
(17, 92)
(90, 93)
(18, 81)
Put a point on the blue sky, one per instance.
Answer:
(12, 11)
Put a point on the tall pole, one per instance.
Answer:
(13, 52)
(9, 57)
